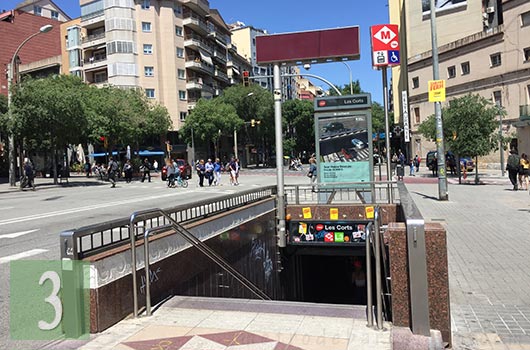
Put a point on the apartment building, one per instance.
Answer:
(40, 55)
(177, 51)
(482, 50)
(43, 8)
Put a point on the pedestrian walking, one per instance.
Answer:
(411, 167)
(146, 170)
(512, 165)
(29, 173)
(170, 172)
(128, 171)
(208, 171)
(217, 166)
(201, 170)
(524, 169)
(312, 174)
(155, 166)
(232, 167)
(112, 169)
(417, 161)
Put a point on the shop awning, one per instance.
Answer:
(235, 70)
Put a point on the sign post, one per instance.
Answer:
(385, 52)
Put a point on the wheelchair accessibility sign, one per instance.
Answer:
(385, 45)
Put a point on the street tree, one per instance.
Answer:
(49, 113)
(469, 127)
(346, 90)
(209, 120)
(298, 120)
(253, 102)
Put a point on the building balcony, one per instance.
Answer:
(93, 40)
(194, 84)
(196, 42)
(199, 6)
(220, 75)
(95, 62)
(222, 38)
(232, 47)
(220, 56)
(199, 66)
(524, 112)
(195, 23)
(92, 18)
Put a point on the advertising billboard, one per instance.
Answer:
(442, 5)
(328, 232)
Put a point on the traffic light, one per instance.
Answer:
(246, 76)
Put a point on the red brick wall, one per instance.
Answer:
(40, 47)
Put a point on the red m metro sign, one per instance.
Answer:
(385, 45)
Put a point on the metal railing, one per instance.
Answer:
(417, 263)
(143, 216)
(374, 243)
(86, 241)
(352, 192)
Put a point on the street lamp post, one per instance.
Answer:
(351, 80)
(11, 73)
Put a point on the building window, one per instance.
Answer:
(417, 115)
(465, 68)
(146, 4)
(183, 116)
(528, 93)
(451, 72)
(37, 10)
(178, 30)
(182, 95)
(148, 49)
(525, 19)
(497, 98)
(146, 26)
(149, 71)
(150, 93)
(495, 59)
(181, 74)
(55, 15)
(177, 10)
(180, 52)
(100, 77)
(253, 41)
(415, 82)
(526, 53)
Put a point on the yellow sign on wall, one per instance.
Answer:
(436, 90)
(333, 213)
(306, 212)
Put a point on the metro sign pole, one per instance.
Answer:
(385, 52)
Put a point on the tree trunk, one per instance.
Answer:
(476, 171)
(54, 166)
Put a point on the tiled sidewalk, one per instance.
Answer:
(233, 324)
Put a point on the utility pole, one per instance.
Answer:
(443, 194)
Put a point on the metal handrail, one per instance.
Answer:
(86, 241)
(194, 241)
(379, 295)
(382, 192)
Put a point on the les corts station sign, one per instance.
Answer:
(328, 232)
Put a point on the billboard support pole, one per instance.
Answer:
(280, 196)
(442, 174)
(387, 126)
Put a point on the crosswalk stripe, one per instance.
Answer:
(17, 234)
(22, 255)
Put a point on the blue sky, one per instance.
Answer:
(280, 16)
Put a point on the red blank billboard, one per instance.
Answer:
(311, 46)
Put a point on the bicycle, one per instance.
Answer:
(177, 182)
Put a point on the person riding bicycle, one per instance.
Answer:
(170, 166)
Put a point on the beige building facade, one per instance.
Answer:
(44, 8)
(177, 51)
(490, 57)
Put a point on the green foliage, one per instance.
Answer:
(299, 126)
(208, 118)
(345, 89)
(378, 117)
(470, 125)
(3, 104)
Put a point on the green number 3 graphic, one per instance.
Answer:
(53, 299)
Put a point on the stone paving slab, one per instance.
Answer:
(488, 239)
(175, 327)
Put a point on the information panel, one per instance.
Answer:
(343, 129)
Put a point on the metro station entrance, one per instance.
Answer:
(332, 275)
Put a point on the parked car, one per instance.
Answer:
(184, 167)
(450, 161)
